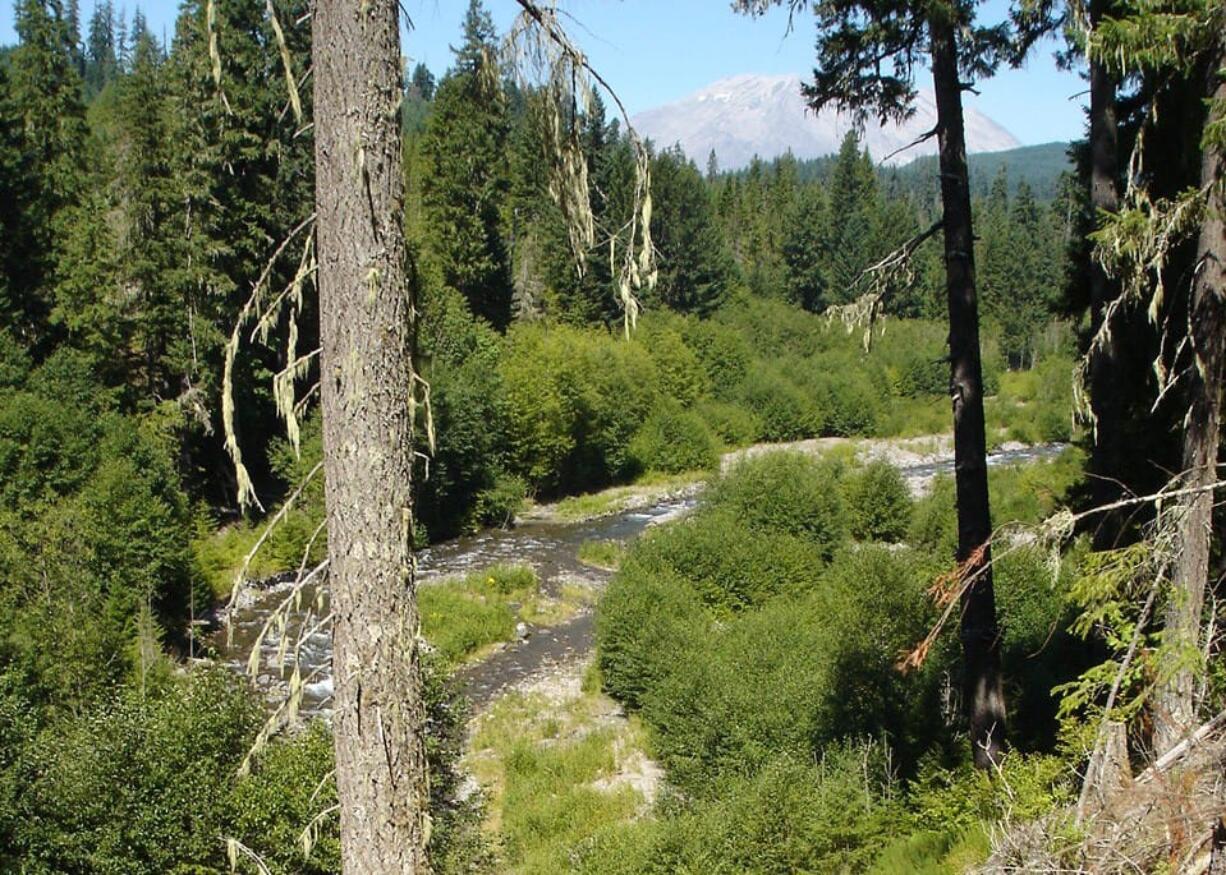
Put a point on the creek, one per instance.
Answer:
(550, 547)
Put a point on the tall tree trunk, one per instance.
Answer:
(1105, 396)
(983, 694)
(1175, 699)
(366, 376)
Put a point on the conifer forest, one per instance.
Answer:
(418, 467)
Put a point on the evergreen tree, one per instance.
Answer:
(101, 60)
(853, 39)
(804, 250)
(848, 244)
(466, 183)
(417, 99)
(379, 717)
(421, 83)
(1180, 43)
(45, 108)
(694, 265)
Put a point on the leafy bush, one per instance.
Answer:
(1031, 492)
(646, 618)
(47, 449)
(672, 441)
(729, 566)
(498, 504)
(934, 520)
(1036, 647)
(141, 784)
(794, 815)
(682, 377)
(850, 403)
(735, 425)
(538, 405)
(934, 853)
(14, 361)
(287, 789)
(471, 454)
(953, 798)
(878, 502)
(787, 413)
(802, 670)
(617, 386)
(784, 492)
(724, 353)
(921, 374)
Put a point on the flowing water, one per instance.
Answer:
(551, 548)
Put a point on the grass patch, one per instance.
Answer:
(541, 610)
(550, 773)
(602, 554)
(463, 618)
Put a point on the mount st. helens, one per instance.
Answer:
(766, 115)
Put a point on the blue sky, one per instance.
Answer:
(656, 51)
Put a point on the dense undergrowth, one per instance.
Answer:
(765, 672)
(93, 500)
(548, 411)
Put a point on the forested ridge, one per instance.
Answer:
(804, 671)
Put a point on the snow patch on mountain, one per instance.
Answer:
(766, 115)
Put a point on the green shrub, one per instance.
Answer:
(1036, 647)
(499, 504)
(47, 449)
(757, 688)
(921, 374)
(729, 566)
(787, 413)
(646, 617)
(672, 441)
(681, 374)
(934, 520)
(784, 492)
(471, 452)
(724, 353)
(954, 798)
(617, 387)
(1031, 492)
(794, 815)
(934, 853)
(136, 529)
(849, 402)
(735, 426)
(14, 361)
(788, 678)
(878, 502)
(774, 325)
(539, 405)
(287, 789)
(141, 785)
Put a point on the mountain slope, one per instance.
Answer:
(749, 114)
(1039, 166)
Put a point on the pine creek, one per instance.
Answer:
(547, 539)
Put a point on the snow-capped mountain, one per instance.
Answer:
(764, 115)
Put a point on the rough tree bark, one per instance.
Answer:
(1175, 699)
(982, 690)
(1105, 397)
(366, 380)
